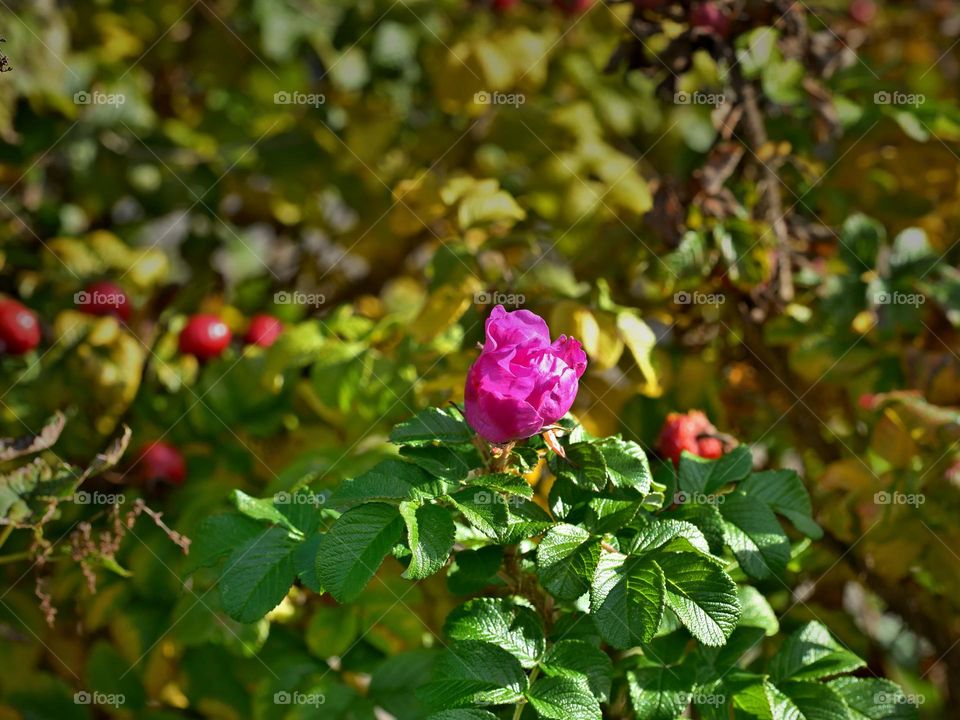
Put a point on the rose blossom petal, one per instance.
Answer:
(571, 352)
(501, 419)
(520, 327)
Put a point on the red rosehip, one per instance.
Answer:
(104, 297)
(692, 432)
(263, 331)
(162, 461)
(863, 11)
(504, 5)
(205, 336)
(19, 328)
(573, 7)
(708, 16)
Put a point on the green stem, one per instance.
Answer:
(5, 534)
(519, 709)
(15, 557)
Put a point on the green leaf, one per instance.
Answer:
(503, 483)
(262, 509)
(305, 562)
(566, 560)
(463, 715)
(11, 448)
(391, 479)
(474, 673)
(873, 699)
(258, 574)
(627, 465)
(391, 682)
(755, 611)
(483, 509)
(701, 476)
(572, 658)
(218, 536)
(564, 698)
(473, 570)
(701, 594)
(515, 628)
(432, 425)
(811, 653)
(627, 599)
(354, 547)
(784, 493)
(707, 518)
(756, 538)
(813, 701)
(659, 533)
(659, 693)
(584, 466)
(430, 532)
(451, 463)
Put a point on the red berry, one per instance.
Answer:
(19, 328)
(104, 298)
(205, 336)
(162, 461)
(263, 331)
(708, 16)
(573, 7)
(692, 432)
(504, 5)
(863, 11)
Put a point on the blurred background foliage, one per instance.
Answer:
(392, 170)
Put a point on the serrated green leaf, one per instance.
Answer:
(503, 483)
(811, 700)
(524, 520)
(701, 476)
(258, 575)
(354, 547)
(432, 425)
(564, 698)
(262, 509)
(873, 699)
(566, 560)
(659, 533)
(449, 462)
(811, 653)
(784, 493)
(755, 611)
(660, 693)
(701, 594)
(627, 465)
(430, 534)
(474, 673)
(218, 536)
(569, 658)
(463, 714)
(391, 479)
(584, 466)
(756, 538)
(473, 570)
(515, 628)
(483, 509)
(627, 599)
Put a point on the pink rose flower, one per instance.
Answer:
(521, 382)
